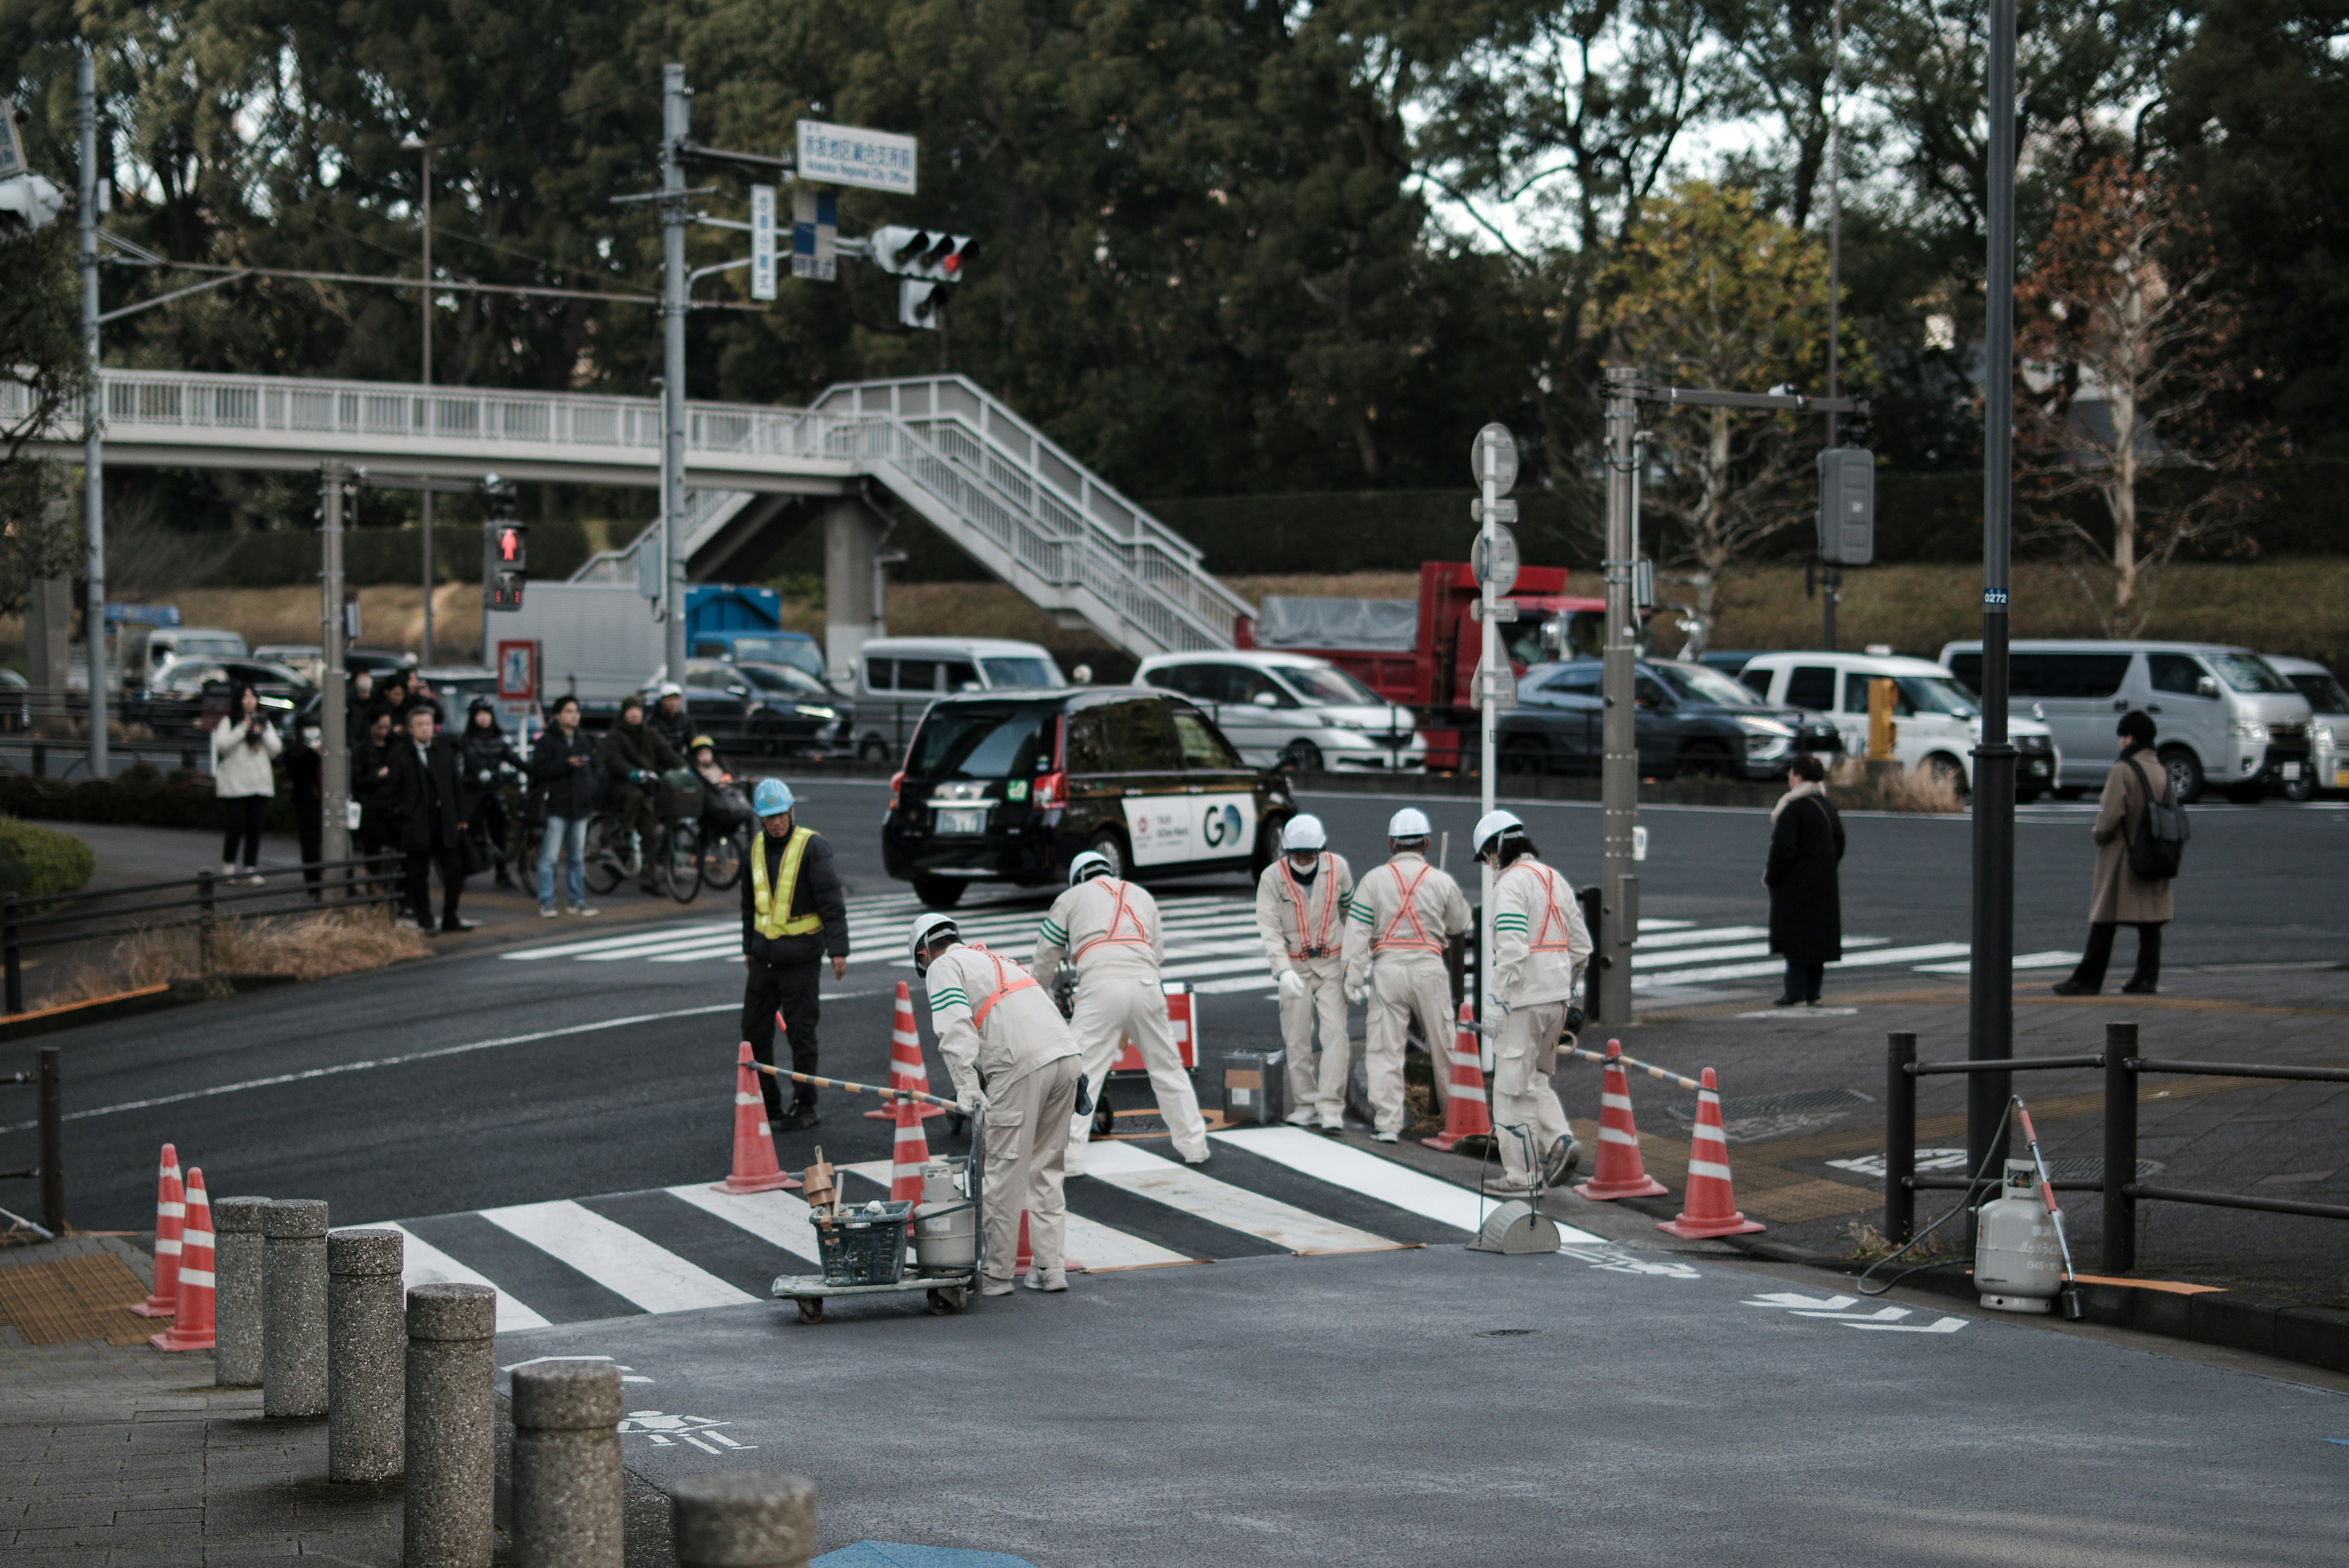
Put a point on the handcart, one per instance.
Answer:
(863, 1245)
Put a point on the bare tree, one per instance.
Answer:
(44, 370)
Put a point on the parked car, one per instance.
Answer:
(2328, 731)
(1937, 721)
(1292, 711)
(189, 696)
(308, 660)
(2228, 719)
(1688, 718)
(796, 649)
(776, 709)
(166, 644)
(899, 677)
(1730, 662)
(1010, 786)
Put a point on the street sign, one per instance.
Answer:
(12, 147)
(850, 155)
(1502, 446)
(517, 670)
(1503, 511)
(1503, 611)
(815, 234)
(1502, 568)
(763, 242)
(1497, 687)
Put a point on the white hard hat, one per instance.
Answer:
(671, 688)
(928, 926)
(1408, 823)
(1091, 864)
(1303, 832)
(1490, 828)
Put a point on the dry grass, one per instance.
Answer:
(1917, 789)
(1868, 1244)
(307, 947)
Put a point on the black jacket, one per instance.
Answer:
(479, 753)
(628, 747)
(1805, 909)
(428, 798)
(818, 891)
(678, 732)
(570, 792)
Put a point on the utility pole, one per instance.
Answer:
(676, 126)
(93, 449)
(1618, 884)
(1495, 465)
(1833, 574)
(415, 143)
(335, 768)
(1990, 1013)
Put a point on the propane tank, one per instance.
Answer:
(945, 1224)
(2018, 1263)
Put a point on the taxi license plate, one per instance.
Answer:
(2289, 770)
(962, 819)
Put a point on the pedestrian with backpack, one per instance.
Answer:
(2140, 834)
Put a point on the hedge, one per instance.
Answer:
(38, 862)
(141, 795)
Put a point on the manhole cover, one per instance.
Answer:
(2091, 1168)
(1757, 1118)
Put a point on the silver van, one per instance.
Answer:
(2328, 740)
(2228, 719)
(897, 679)
(1292, 711)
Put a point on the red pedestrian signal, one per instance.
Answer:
(509, 545)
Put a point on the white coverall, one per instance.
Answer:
(1001, 1035)
(1111, 931)
(1304, 930)
(1402, 918)
(1540, 948)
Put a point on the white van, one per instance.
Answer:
(2225, 718)
(1936, 722)
(1292, 711)
(166, 643)
(2328, 740)
(897, 679)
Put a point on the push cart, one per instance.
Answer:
(863, 1246)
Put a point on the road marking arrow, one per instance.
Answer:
(1938, 1326)
(1790, 1299)
(1882, 1314)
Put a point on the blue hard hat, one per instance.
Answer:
(772, 798)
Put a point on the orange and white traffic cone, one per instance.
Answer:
(907, 1069)
(1025, 1258)
(913, 1152)
(1466, 1114)
(1620, 1172)
(171, 1215)
(1710, 1206)
(191, 1322)
(755, 1170)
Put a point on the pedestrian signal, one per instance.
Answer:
(917, 303)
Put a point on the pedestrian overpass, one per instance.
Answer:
(1013, 501)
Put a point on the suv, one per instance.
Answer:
(1937, 722)
(1292, 711)
(1689, 718)
(1010, 786)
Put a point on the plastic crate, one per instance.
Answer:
(866, 1245)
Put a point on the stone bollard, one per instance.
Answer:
(236, 1291)
(745, 1520)
(294, 1307)
(452, 1473)
(365, 1338)
(566, 1465)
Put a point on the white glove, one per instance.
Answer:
(1495, 1005)
(1292, 985)
(972, 1102)
(1359, 993)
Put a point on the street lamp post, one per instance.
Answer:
(93, 444)
(676, 126)
(417, 144)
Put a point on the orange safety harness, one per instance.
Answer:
(1004, 986)
(1410, 911)
(1298, 898)
(1116, 915)
(1551, 914)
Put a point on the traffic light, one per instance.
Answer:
(917, 305)
(930, 254)
(505, 548)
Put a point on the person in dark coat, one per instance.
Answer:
(482, 751)
(306, 770)
(371, 786)
(562, 771)
(1805, 910)
(793, 915)
(2120, 896)
(634, 756)
(430, 811)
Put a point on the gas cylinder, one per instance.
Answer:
(945, 1225)
(2018, 1262)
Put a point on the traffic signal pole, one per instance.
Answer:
(334, 742)
(675, 125)
(1619, 778)
(93, 440)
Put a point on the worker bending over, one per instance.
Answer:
(1109, 929)
(1011, 1057)
(1402, 919)
(1301, 909)
(1540, 948)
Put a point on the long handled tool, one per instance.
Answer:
(811, 1079)
(2047, 1191)
(1668, 1075)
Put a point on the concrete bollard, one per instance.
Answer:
(755, 1520)
(451, 1419)
(236, 1291)
(294, 1307)
(365, 1341)
(566, 1465)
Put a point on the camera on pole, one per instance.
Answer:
(505, 548)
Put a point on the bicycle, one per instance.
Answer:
(723, 854)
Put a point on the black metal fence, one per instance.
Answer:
(46, 1081)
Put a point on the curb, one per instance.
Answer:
(130, 1003)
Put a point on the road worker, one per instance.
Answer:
(793, 916)
(1301, 909)
(1400, 923)
(1011, 1058)
(1109, 929)
(1540, 948)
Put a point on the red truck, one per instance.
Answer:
(1423, 654)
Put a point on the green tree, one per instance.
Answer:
(44, 367)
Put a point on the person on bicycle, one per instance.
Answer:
(793, 915)
(482, 751)
(723, 809)
(635, 755)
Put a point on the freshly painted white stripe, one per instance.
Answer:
(1098, 1247)
(629, 939)
(1755, 971)
(731, 939)
(616, 1257)
(779, 1218)
(2050, 959)
(1178, 1186)
(1343, 1164)
(422, 1264)
(1693, 938)
(1733, 951)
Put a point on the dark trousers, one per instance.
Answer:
(310, 822)
(1803, 979)
(420, 884)
(2093, 963)
(790, 990)
(244, 812)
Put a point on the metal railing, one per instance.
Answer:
(46, 1081)
(2121, 1067)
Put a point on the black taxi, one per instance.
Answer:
(1011, 785)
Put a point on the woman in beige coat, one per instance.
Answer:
(2121, 896)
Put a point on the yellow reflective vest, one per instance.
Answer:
(773, 905)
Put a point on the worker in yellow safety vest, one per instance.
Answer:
(793, 915)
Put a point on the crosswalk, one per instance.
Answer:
(1212, 942)
(1265, 1191)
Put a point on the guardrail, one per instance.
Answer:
(2121, 1067)
(47, 1082)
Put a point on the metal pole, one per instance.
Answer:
(1900, 1135)
(12, 955)
(1991, 1020)
(2120, 1147)
(53, 1142)
(1491, 666)
(425, 306)
(675, 125)
(1834, 574)
(1619, 773)
(335, 754)
(93, 450)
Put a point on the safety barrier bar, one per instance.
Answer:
(47, 1081)
(814, 1082)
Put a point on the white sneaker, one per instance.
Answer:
(585, 909)
(1384, 1137)
(1045, 1280)
(549, 912)
(1198, 1159)
(1333, 1127)
(229, 870)
(1302, 1117)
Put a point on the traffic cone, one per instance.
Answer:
(171, 1216)
(1710, 1206)
(912, 1153)
(191, 1321)
(1619, 1173)
(1466, 1114)
(1025, 1259)
(755, 1170)
(907, 1069)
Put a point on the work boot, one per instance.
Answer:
(989, 1285)
(1046, 1280)
(1302, 1117)
(800, 1117)
(1560, 1163)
